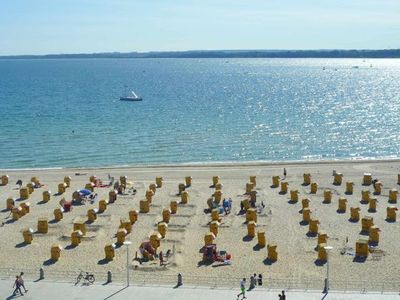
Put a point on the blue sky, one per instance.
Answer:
(85, 26)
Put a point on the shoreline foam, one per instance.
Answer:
(216, 164)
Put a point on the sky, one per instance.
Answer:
(87, 26)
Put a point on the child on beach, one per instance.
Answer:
(241, 206)
(227, 205)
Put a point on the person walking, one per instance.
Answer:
(242, 289)
(255, 279)
(17, 286)
(284, 173)
(21, 280)
(283, 295)
(252, 285)
(179, 279)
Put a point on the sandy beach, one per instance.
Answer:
(280, 219)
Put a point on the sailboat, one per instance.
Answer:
(131, 97)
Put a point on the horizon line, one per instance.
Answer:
(206, 50)
(238, 53)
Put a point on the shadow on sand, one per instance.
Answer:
(247, 238)
(21, 245)
(103, 261)
(268, 262)
(49, 262)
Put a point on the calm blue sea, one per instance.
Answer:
(67, 113)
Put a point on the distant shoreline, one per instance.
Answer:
(362, 53)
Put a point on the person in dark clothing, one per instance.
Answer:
(17, 286)
(21, 280)
(179, 280)
(374, 182)
(161, 256)
(260, 279)
(19, 182)
(252, 283)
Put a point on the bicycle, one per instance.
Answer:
(88, 277)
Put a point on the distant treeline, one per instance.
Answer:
(393, 53)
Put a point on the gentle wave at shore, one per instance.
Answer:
(218, 164)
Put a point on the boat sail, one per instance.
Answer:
(131, 97)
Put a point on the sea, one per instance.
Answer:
(57, 113)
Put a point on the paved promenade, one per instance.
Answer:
(61, 291)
